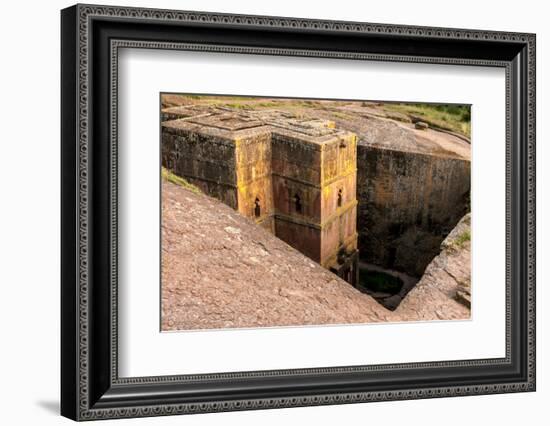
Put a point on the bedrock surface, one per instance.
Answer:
(412, 185)
(445, 285)
(220, 270)
(408, 204)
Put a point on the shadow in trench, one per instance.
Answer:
(386, 286)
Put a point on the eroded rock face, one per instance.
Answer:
(413, 185)
(445, 285)
(221, 270)
(408, 203)
(293, 169)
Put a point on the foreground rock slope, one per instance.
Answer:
(220, 270)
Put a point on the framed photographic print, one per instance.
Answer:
(263, 212)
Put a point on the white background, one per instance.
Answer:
(146, 352)
(29, 225)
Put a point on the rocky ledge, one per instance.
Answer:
(445, 285)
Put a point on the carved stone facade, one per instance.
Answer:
(296, 177)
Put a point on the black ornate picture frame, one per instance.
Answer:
(91, 36)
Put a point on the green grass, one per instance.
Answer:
(462, 239)
(455, 118)
(211, 98)
(247, 106)
(341, 115)
(248, 102)
(193, 96)
(175, 179)
(379, 281)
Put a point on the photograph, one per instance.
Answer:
(301, 212)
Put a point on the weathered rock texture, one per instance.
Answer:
(221, 270)
(294, 176)
(334, 180)
(445, 285)
(413, 185)
(408, 203)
